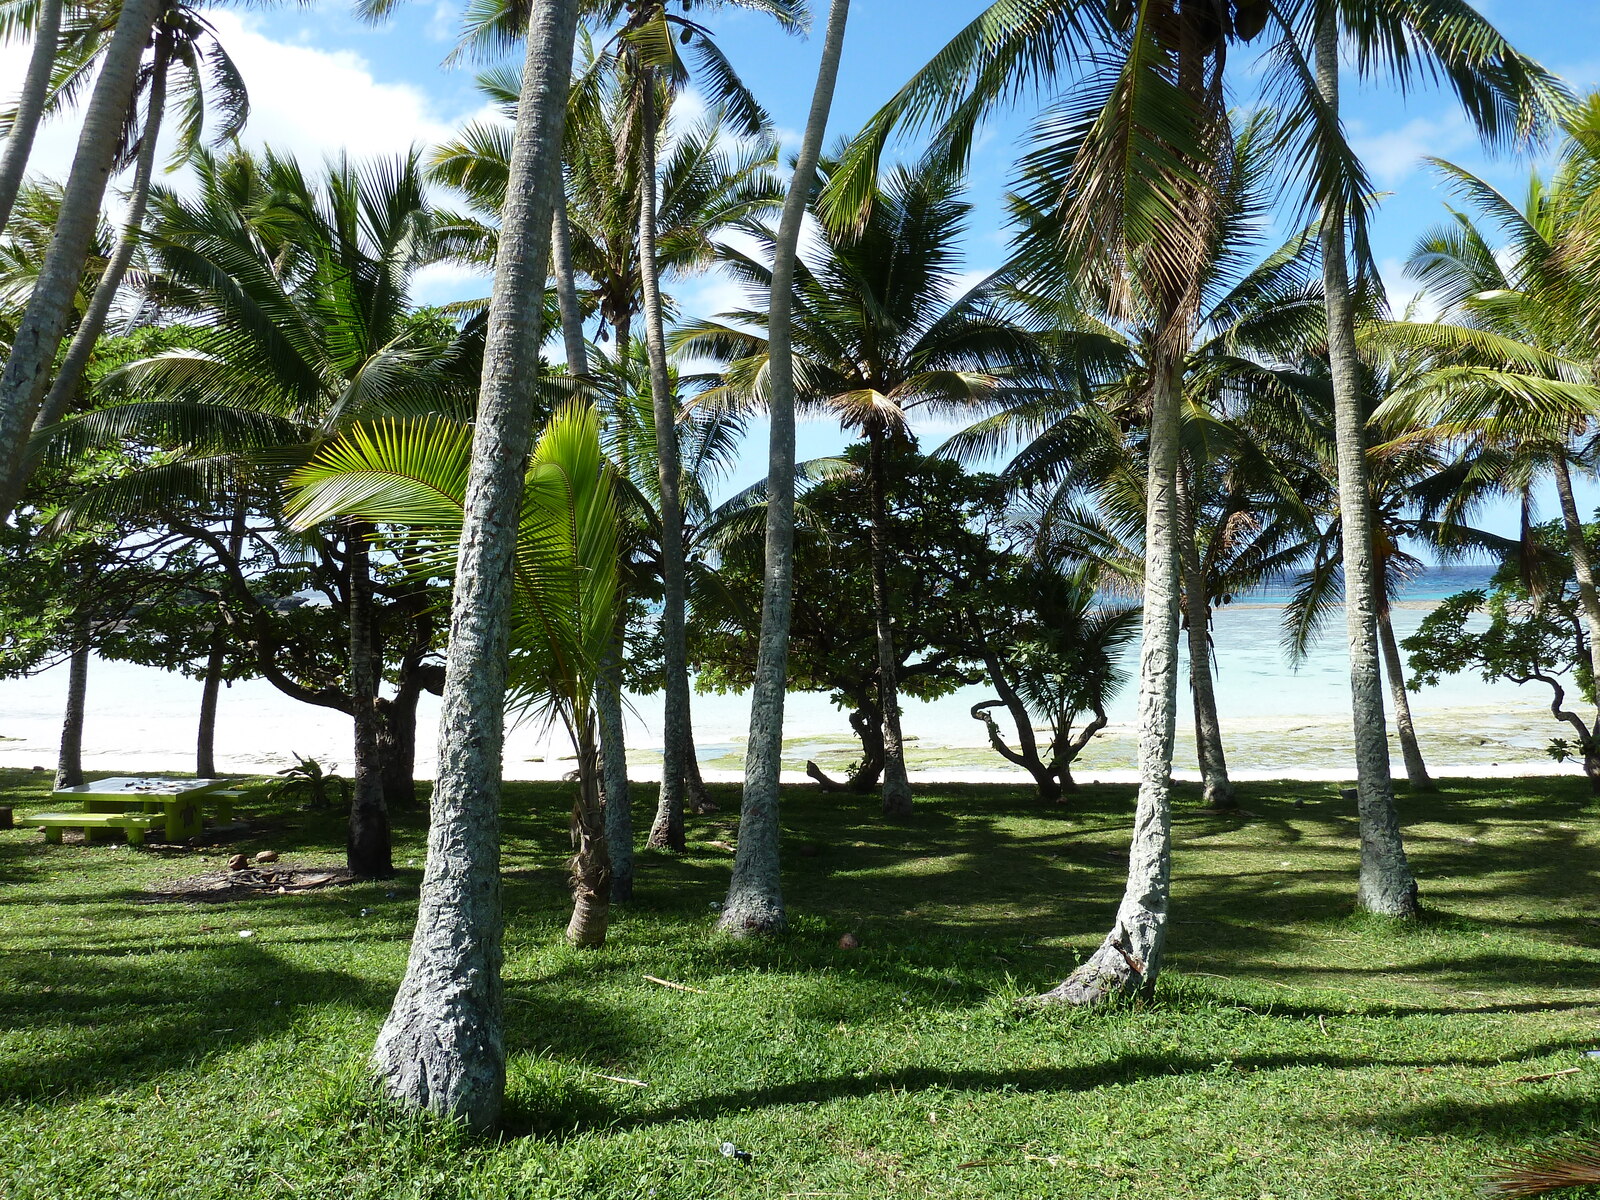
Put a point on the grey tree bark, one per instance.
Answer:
(69, 763)
(443, 1045)
(30, 105)
(87, 335)
(1582, 564)
(755, 894)
(1385, 884)
(896, 786)
(591, 866)
(1416, 767)
(367, 847)
(1128, 961)
(666, 833)
(44, 322)
(614, 771)
(1218, 788)
(567, 287)
(205, 754)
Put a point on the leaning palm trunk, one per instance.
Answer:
(755, 895)
(93, 323)
(1128, 961)
(1416, 768)
(69, 763)
(443, 1044)
(44, 322)
(896, 787)
(591, 865)
(367, 847)
(1386, 885)
(1582, 565)
(1218, 788)
(667, 831)
(30, 105)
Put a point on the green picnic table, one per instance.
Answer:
(138, 805)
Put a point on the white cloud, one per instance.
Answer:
(1402, 292)
(1392, 154)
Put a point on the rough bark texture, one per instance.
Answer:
(1197, 615)
(367, 847)
(696, 797)
(1582, 565)
(896, 787)
(69, 763)
(44, 322)
(93, 323)
(1416, 768)
(205, 750)
(614, 772)
(443, 1044)
(30, 105)
(667, 831)
(567, 287)
(1128, 961)
(755, 895)
(591, 865)
(1386, 884)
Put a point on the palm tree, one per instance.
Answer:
(40, 21)
(877, 340)
(442, 1046)
(412, 475)
(755, 894)
(44, 323)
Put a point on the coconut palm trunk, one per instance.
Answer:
(667, 831)
(367, 846)
(69, 763)
(1582, 564)
(755, 895)
(591, 865)
(896, 787)
(1410, 750)
(1386, 885)
(614, 770)
(44, 322)
(443, 1044)
(1128, 961)
(30, 105)
(1218, 788)
(93, 322)
(567, 288)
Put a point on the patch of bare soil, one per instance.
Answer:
(215, 887)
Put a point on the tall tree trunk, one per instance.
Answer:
(1416, 769)
(69, 764)
(567, 286)
(1217, 786)
(367, 849)
(30, 105)
(44, 322)
(1385, 885)
(614, 770)
(1582, 564)
(1129, 959)
(205, 752)
(667, 831)
(896, 787)
(591, 865)
(443, 1044)
(89, 329)
(397, 746)
(694, 786)
(755, 894)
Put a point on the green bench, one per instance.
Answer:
(131, 823)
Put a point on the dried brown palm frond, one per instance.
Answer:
(1574, 1165)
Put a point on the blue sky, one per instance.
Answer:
(322, 79)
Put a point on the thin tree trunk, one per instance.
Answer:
(1416, 768)
(694, 786)
(1218, 788)
(69, 764)
(1582, 565)
(1128, 961)
(44, 322)
(30, 106)
(87, 336)
(567, 286)
(591, 865)
(397, 746)
(443, 1044)
(667, 831)
(367, 849)
(755, 894)
(614, 771)
(1385, 885)
(896, 787)
(205, 754)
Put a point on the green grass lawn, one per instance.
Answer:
(1294, 1050)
